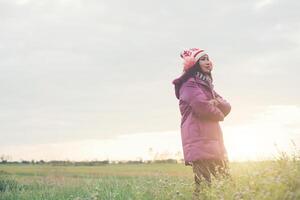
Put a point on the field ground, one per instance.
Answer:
(278, 179)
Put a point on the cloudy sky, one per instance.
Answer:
(96, 75)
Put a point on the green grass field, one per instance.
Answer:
(278, 179)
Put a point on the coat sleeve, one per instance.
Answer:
(224, 106)
(191, 93)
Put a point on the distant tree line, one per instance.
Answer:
(5, 160)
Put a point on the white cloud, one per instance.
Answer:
(68, 68)
(22, 2)
(262, 4)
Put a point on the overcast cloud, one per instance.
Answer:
(97, 69)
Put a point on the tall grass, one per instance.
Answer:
(277, 179)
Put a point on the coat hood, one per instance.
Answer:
(180, 80)
(177, 84)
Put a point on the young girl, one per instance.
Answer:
(201, 110)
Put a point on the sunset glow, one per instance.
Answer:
(262, 138)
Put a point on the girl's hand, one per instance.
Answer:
(213, 102)
(219, 99)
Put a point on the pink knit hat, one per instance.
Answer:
(191, 56)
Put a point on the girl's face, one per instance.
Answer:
(205, 64)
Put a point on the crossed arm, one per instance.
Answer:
(223, 105)
(201, 105)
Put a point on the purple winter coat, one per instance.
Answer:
(201, 134)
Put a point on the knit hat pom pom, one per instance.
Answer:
(188, 62)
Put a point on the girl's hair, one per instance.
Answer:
(189, 73)
(192, 71)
